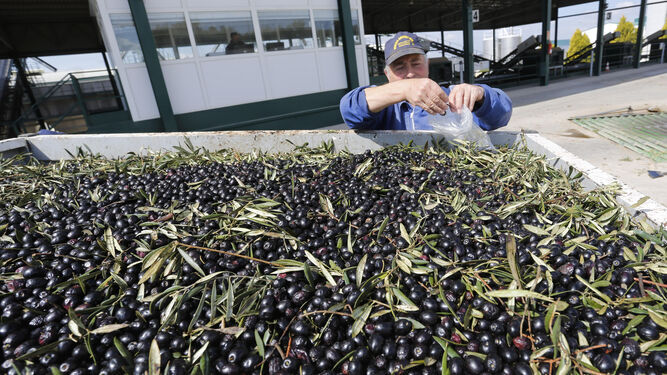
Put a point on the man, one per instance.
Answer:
(236, 45)
(406, 102)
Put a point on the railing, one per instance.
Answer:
(79, 106)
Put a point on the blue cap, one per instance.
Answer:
(403, 43)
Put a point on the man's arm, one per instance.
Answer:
(355, 112)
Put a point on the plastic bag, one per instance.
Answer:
(460, 126)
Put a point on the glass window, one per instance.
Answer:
(327, 28)
(171, 35)
(218, 33)
(355, 26)
(288, 29)
(126, 36)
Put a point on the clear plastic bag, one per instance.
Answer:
(456, 126)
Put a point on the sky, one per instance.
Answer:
(566, 27)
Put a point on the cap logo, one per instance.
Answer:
(403, 41)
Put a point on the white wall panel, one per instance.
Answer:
(217, 4)
(281, 4)
(362, 64)
(183, 86)
(140, 91)
(324, 4)
(114, 5)
(152, 5)
(332, 68)
(291, 74)
(233, 81)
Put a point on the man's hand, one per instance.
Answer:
(425, 93)
(422, 92)
(465, 95)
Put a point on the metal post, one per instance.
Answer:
(377, 42)
(114, 87)
(556, 27)
(546, 26)
(460, 71)
(79, 99)
(345, 16)
(153, 67)
(28, 89)
(442, 41)
(468, 62)
(599, 43)
(590, 66)
(640, 35)
(494, 44)
(662, 55)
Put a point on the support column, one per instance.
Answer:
(546, 26)
(599, 43)
(468, 62)
(494, 44)
(556, 27)
(112, 80)
(442, 41)
(640, 35)
(80, 99)
(153, 67)
(345, 16)
(28, 89)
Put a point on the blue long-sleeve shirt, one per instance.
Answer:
(494, 113)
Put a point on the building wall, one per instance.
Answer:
(200, 82)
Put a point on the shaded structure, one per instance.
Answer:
(186, 93)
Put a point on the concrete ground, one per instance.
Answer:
(547, 110)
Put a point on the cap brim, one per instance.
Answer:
(407, 51)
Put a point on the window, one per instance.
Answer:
(126, 36)
(355, 26)
(327, 28)
(218, 33)
(285, 29)
(171, 36)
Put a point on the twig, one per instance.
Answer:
(651, 282)
(228, 253)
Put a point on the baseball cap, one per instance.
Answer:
(403, 43)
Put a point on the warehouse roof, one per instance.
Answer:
(47, 27)
(390, 16)
(51, 27)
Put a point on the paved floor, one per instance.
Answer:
(546, 110)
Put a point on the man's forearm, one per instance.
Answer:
(381, 97)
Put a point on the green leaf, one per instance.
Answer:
(108, 328)
(382, 227)
(360, 315)
(154, 359)
(516, 293)
(360, 269)
(403, 298)
(510, 245)
(633, 323)
(640, 202)
(260, 344)
(594, 289)
(191, 262)
(122, 350)
(321, 267)
(537, 230)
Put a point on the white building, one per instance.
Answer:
(216, 55)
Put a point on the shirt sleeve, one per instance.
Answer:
(496, 110)
(355, 112)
